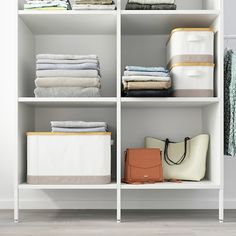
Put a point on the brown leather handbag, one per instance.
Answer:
(143, 165)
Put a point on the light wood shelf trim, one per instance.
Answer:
(66, 134)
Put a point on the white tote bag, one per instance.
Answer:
(185, 160)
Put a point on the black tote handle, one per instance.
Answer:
(182, 158)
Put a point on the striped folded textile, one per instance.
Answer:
(47, 5)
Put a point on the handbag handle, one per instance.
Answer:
(182, 158)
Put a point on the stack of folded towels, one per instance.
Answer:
(94, 5)
(146, 82)
(47, 5)
(78, 126)
(151, 5)
(67, 76)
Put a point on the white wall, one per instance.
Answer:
(87, 199)
(230, 163)
(7, 101)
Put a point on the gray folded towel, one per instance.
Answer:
(67, 92)
(137, 6)
(79, 130)
(78, 124)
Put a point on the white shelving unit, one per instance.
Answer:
(120, 38)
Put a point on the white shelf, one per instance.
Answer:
(70, 102)
(171, 185)
(41, 186)
(111, 102)
(69, 22)
(162, 22)
(143, 35)
(167, 102)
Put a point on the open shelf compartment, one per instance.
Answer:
(162, 22)
(175, 123)
(189, 5)
(69, 22)
(144, 38)
(32, 43)
(37, 119)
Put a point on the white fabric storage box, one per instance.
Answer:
(190, 45)
(68, 158)
(193, 79)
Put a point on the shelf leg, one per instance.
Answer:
(16, 205)
(118, 213)
(221, 205)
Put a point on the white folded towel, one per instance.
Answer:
(93, 7)
(65, 57)
(52, 61)
(67, 73)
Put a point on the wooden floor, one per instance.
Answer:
(134, 223)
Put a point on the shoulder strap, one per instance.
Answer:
(182, 158)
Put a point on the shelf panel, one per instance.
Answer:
(43, 186)
(70, 22)
(165, 185)
(169, 185)
(162, 22)
(70, 102)
(167, 102)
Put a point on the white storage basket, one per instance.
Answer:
(190, 45)
(193, 79)
(68, 158)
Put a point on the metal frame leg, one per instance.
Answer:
(221, 205)
(118, 213)
(16, 205)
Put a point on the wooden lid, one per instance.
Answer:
(192, 64)
(191, 29)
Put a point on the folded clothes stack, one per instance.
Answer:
(78, 126)
(67, 76)
(94, 5)
(146, 82)
(150, 5)
(47, 5)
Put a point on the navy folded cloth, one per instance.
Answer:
(149, 93)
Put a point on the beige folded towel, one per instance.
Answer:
(145, 78)
(146, 85)
(67, 82)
